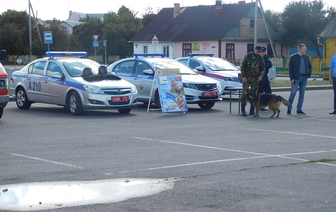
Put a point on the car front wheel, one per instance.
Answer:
(22, 101)
(75, 104)
(207, 105)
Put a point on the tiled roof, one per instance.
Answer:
(83, 15)
(193, 24)
(330, 29)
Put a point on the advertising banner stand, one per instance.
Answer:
(171, 92)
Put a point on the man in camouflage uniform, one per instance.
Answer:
(252, 70)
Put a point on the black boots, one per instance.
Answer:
(251, 110)
(243, 113)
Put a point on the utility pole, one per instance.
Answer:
(30, 32)
(256, 24)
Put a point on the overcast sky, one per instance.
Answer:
(59, 9)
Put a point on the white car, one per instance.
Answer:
(217, 68)
(140, 72)
(75, 83)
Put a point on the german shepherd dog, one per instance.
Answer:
(266, 99)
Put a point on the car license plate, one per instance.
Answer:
(120, 99)
(210, 94)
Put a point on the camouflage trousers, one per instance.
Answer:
(251, 81)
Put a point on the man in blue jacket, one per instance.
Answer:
(300, 70)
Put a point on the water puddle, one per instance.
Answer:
(51, 195)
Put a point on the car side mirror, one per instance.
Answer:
(199, 68)
(148, 72)
(58, 76)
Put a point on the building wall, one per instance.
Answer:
(160, 48)
(246, 31)
(73, 17)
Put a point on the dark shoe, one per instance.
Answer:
(289, 112)
(251, 111)
(300, 113)
(243, 113)
(334, 112)
(263, 109)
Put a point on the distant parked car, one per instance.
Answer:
(140, 72)
(4, 98)
(217, 68)
(75, 83)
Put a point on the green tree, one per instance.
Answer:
(61, 40)
(82, 38)
(119, 28)
(148, 16)
(14, 32)
(275, 18)
(302, 22)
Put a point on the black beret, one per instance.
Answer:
(263, 49)
(258, 48)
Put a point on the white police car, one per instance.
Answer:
(76, 83)
(217, 68)
(140, 72)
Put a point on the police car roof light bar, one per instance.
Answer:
(66, 54)
(148, 55)
(191, 55)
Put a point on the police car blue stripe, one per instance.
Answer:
(134, 75)
(211, 75)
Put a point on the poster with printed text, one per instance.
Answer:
(171, 91)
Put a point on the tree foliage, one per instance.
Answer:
(302, 21)
(148, 16)
(119, 28)
(83, 34)
(14, 29)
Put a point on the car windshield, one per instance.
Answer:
(170, 64)
(75, 66)
(218, 64)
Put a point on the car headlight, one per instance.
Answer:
(229, 79)
(134, 89)
(189, 85)
(93, 89)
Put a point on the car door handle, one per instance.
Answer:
(45, 81)
(135, 78)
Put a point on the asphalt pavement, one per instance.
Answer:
(218, 161)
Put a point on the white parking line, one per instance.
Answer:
(261, 155)
(296, 133)
(48, 161)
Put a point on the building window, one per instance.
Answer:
(252, 23)
(250, 48)
(145, 50)
(166, 50)
(230, 51)
(186, 49)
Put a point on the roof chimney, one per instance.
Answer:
(218, 8)
(70, 12)
(177, 10)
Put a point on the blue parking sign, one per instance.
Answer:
(104, 42)
(95, 43)
(48, 37)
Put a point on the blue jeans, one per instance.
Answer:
(300, 84)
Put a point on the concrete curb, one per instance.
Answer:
(312, 87)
